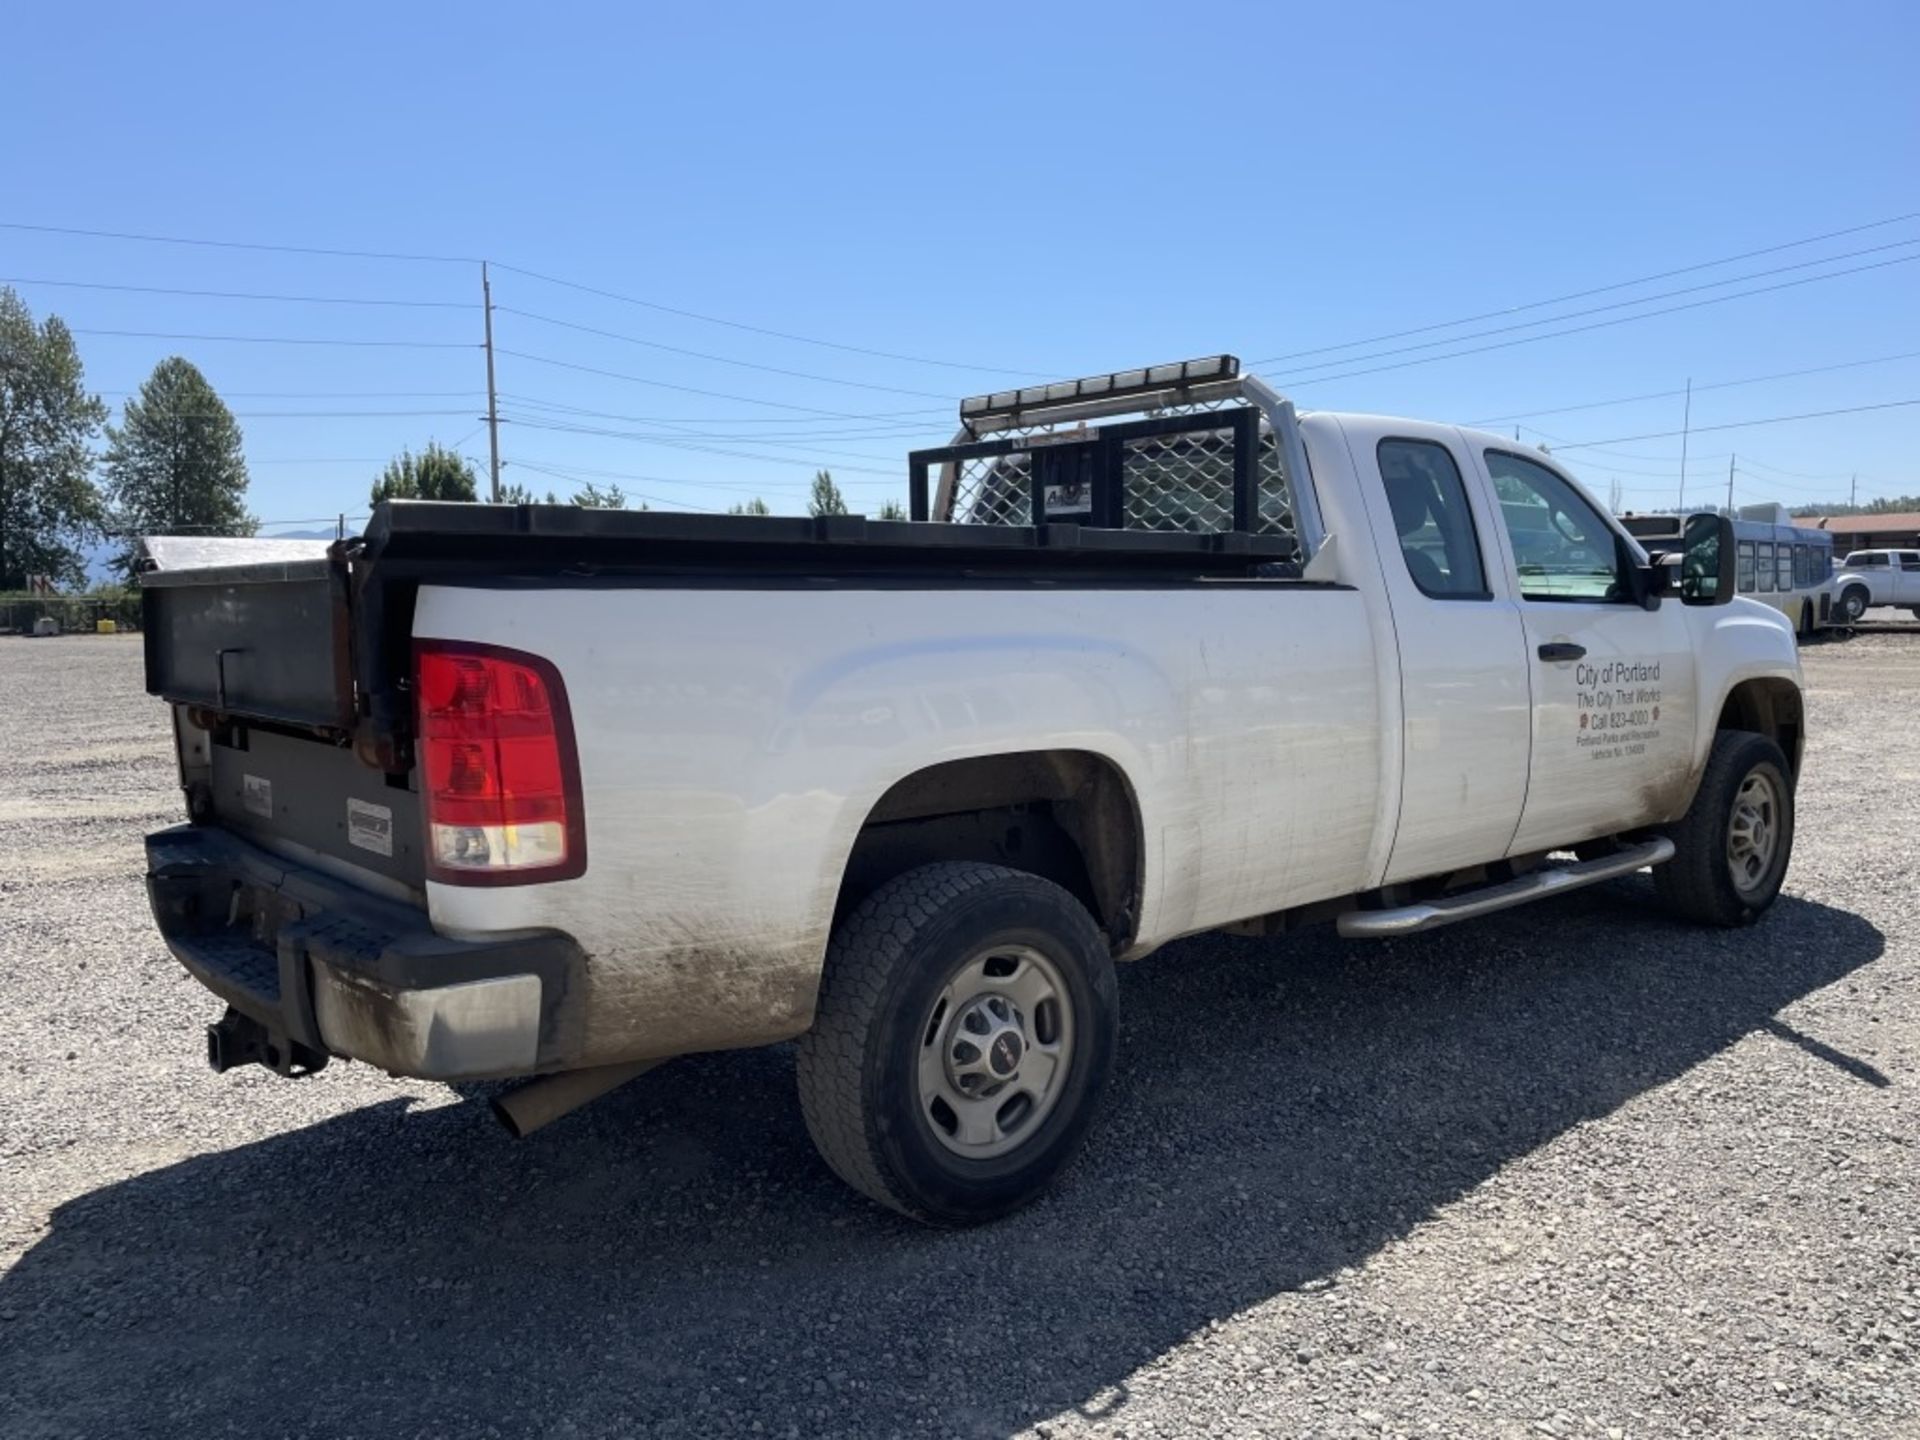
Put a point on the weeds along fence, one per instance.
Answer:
(19, 610)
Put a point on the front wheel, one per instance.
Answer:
(1732, 846)
(1852, 605)
(966, 1026)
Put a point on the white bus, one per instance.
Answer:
(1781, 564)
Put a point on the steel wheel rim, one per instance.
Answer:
(1753, 830)
(995, 1049)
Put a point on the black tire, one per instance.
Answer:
(1698, 883)
(1806, 620)
(1852, 604)
(886, 968)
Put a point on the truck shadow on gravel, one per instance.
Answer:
(674, 1260)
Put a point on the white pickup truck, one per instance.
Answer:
(1877, 577)
(537, 791)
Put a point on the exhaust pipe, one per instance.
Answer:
(527, 1107)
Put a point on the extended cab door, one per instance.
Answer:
(1907, 583)
(1464, 694)
(1613, 683)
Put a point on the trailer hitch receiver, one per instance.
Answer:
(238, 1039)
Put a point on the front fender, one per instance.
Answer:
(1743, 641)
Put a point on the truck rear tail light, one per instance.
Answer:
(499, 772)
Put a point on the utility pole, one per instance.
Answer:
(1853, 491)
(1686, 424)
(493, 398)
(1730, 460)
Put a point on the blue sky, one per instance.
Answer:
(1039, 190)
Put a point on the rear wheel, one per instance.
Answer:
(965, 1029)
(1852, 604)
(1806, 620)
(1732, 847)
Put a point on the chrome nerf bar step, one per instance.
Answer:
(1558, 880)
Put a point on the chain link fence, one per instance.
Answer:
(20, 612)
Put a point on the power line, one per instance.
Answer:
(680, 443)
(287, 340)
(1596, 290)
(238, 244)
(1716, 385)
(333, 394)
(1641, 300)
(763, 330)
(889, 431)
(743, 486)
(517, 270)
(1801, 474)
(687, 389)
(312, 414)
(883, 416)
(649, 499)
(1738, 424)
(720, 359)
(1601, 324)
(239, 294)
(337, 414)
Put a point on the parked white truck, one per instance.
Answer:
(1877, 577)
(537, 791)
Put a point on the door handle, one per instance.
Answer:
(1560, 651)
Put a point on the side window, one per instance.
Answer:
(1744, 578)
(1867, 560)
(1763, 566)
(1802, 575)
(1910, 559)
(1563, 549)
(1784, 567)
(1429, 503)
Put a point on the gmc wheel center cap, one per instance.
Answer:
(1004, 1056)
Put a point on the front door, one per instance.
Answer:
(1613, 683)
(1463, 679)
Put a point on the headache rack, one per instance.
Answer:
(1216, 452)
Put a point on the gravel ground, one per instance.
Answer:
(1576, 1170)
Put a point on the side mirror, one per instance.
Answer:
(1707, 560)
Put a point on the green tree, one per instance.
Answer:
(1890, 505)
(48, 504)
(755, 506)
(436, 473)
(826, 498)
(891, 510)
(594, 498)
(174, 464)
(515, 493)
